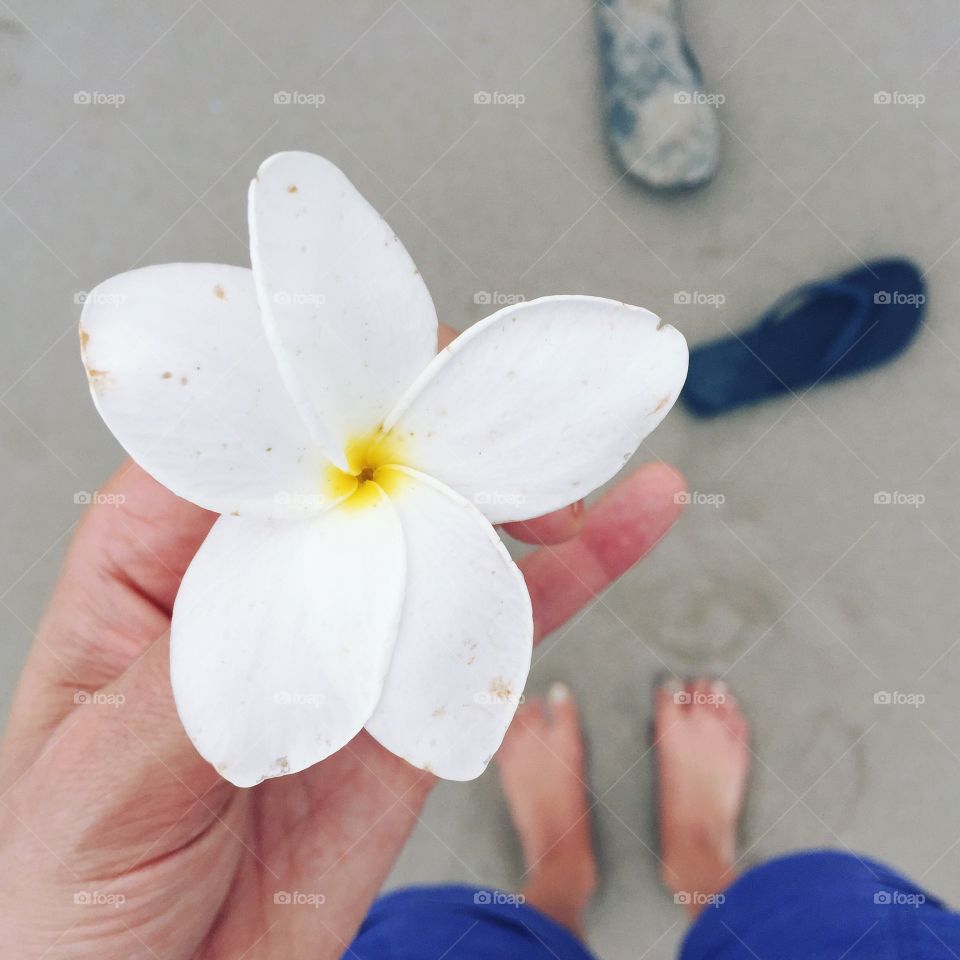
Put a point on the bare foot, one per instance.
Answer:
(703, 759)
(541, 767)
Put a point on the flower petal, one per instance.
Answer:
(282, 635)
(181, 372)
(466, 635)
(348, 314)
(535, 406)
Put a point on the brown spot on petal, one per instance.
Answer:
(662, 404)
(219, 292)
(284, 764)
(166, 375)
(184, 381)
(98, 379)
(84, 339)
(500, 689)
(292, 188)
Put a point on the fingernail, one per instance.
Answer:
(719, 686)
(559, 693)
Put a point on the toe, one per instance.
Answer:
(670, 703)
(722, 698)
(728, 708)
(530, 713)
(701, 692)
(563, 708)
(564, 732)
(528, 720)
(738, 726)
(670, 697)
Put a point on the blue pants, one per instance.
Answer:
(806, 906)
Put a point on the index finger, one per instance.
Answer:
(620, 529)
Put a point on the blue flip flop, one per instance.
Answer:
(819, 332)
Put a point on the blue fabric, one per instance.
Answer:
(460, 923)
(823, 906)
(817, 333)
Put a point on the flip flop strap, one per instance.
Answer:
(848, 333)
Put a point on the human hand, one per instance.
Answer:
(118, 840)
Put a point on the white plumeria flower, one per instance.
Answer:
(355, 579)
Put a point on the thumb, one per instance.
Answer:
(120, 803)
(150, 751)
(121, 767)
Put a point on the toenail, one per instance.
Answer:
(559, 693)
(673, 686)
(722, 691)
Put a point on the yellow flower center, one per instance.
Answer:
(369, 459)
